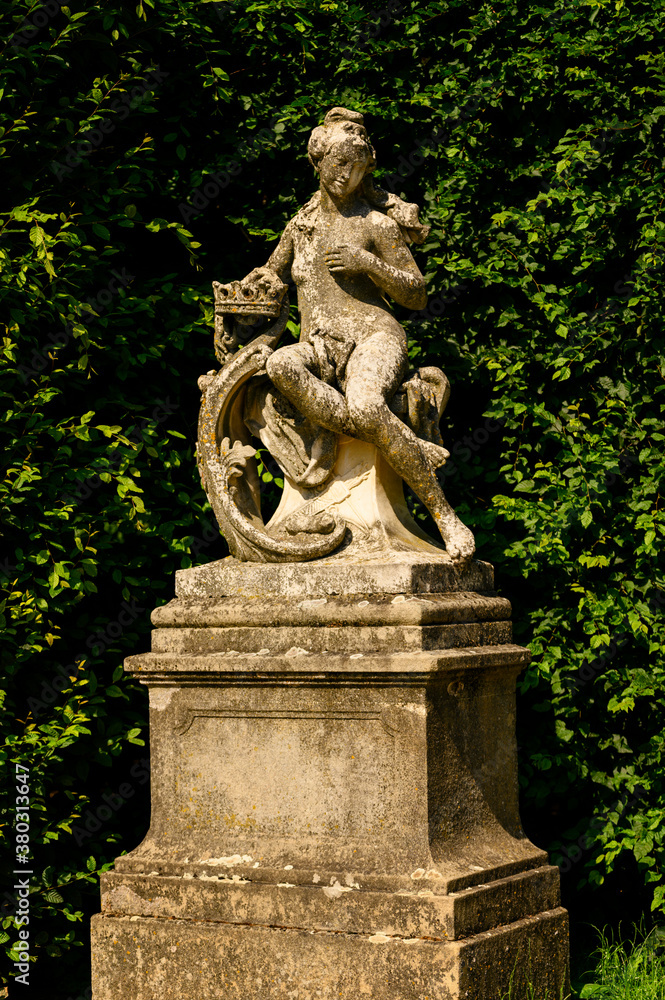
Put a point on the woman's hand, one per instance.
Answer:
(343, 258)
(393, 268)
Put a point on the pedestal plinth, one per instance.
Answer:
(334, 795)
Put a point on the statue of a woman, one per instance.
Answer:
(345, 250)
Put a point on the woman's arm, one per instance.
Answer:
(282, 257)
(390, 266)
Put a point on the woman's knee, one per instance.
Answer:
(369, 414)
(283, 365)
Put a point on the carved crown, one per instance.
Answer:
(259, 294)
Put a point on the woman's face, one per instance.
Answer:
(343, 168)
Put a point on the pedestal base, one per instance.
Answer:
(334, 798)
(154, 959)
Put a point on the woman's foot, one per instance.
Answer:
(459, 540)
(436, 455)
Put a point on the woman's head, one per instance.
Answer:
(342, 154)
(340, 151)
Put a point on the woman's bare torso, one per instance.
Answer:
(349, 306)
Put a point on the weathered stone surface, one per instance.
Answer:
(296, 666)
(349, 609)
(330, 639)
(365, 763)
(366, 494)
(367, 793)
(332, 905)
(334, 805)
(190, 958)
(407, 574)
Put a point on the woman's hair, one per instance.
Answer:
(339, 126)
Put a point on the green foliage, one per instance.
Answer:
(147, 151)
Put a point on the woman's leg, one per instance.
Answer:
(375, 369)
(291, 369)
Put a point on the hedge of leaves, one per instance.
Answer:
(149, 151)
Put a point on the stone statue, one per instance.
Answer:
(339, 411)
(334, 793)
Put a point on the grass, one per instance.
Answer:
(627, 970)
(620, 969)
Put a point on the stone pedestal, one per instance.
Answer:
(334, 795)
(368, 496)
